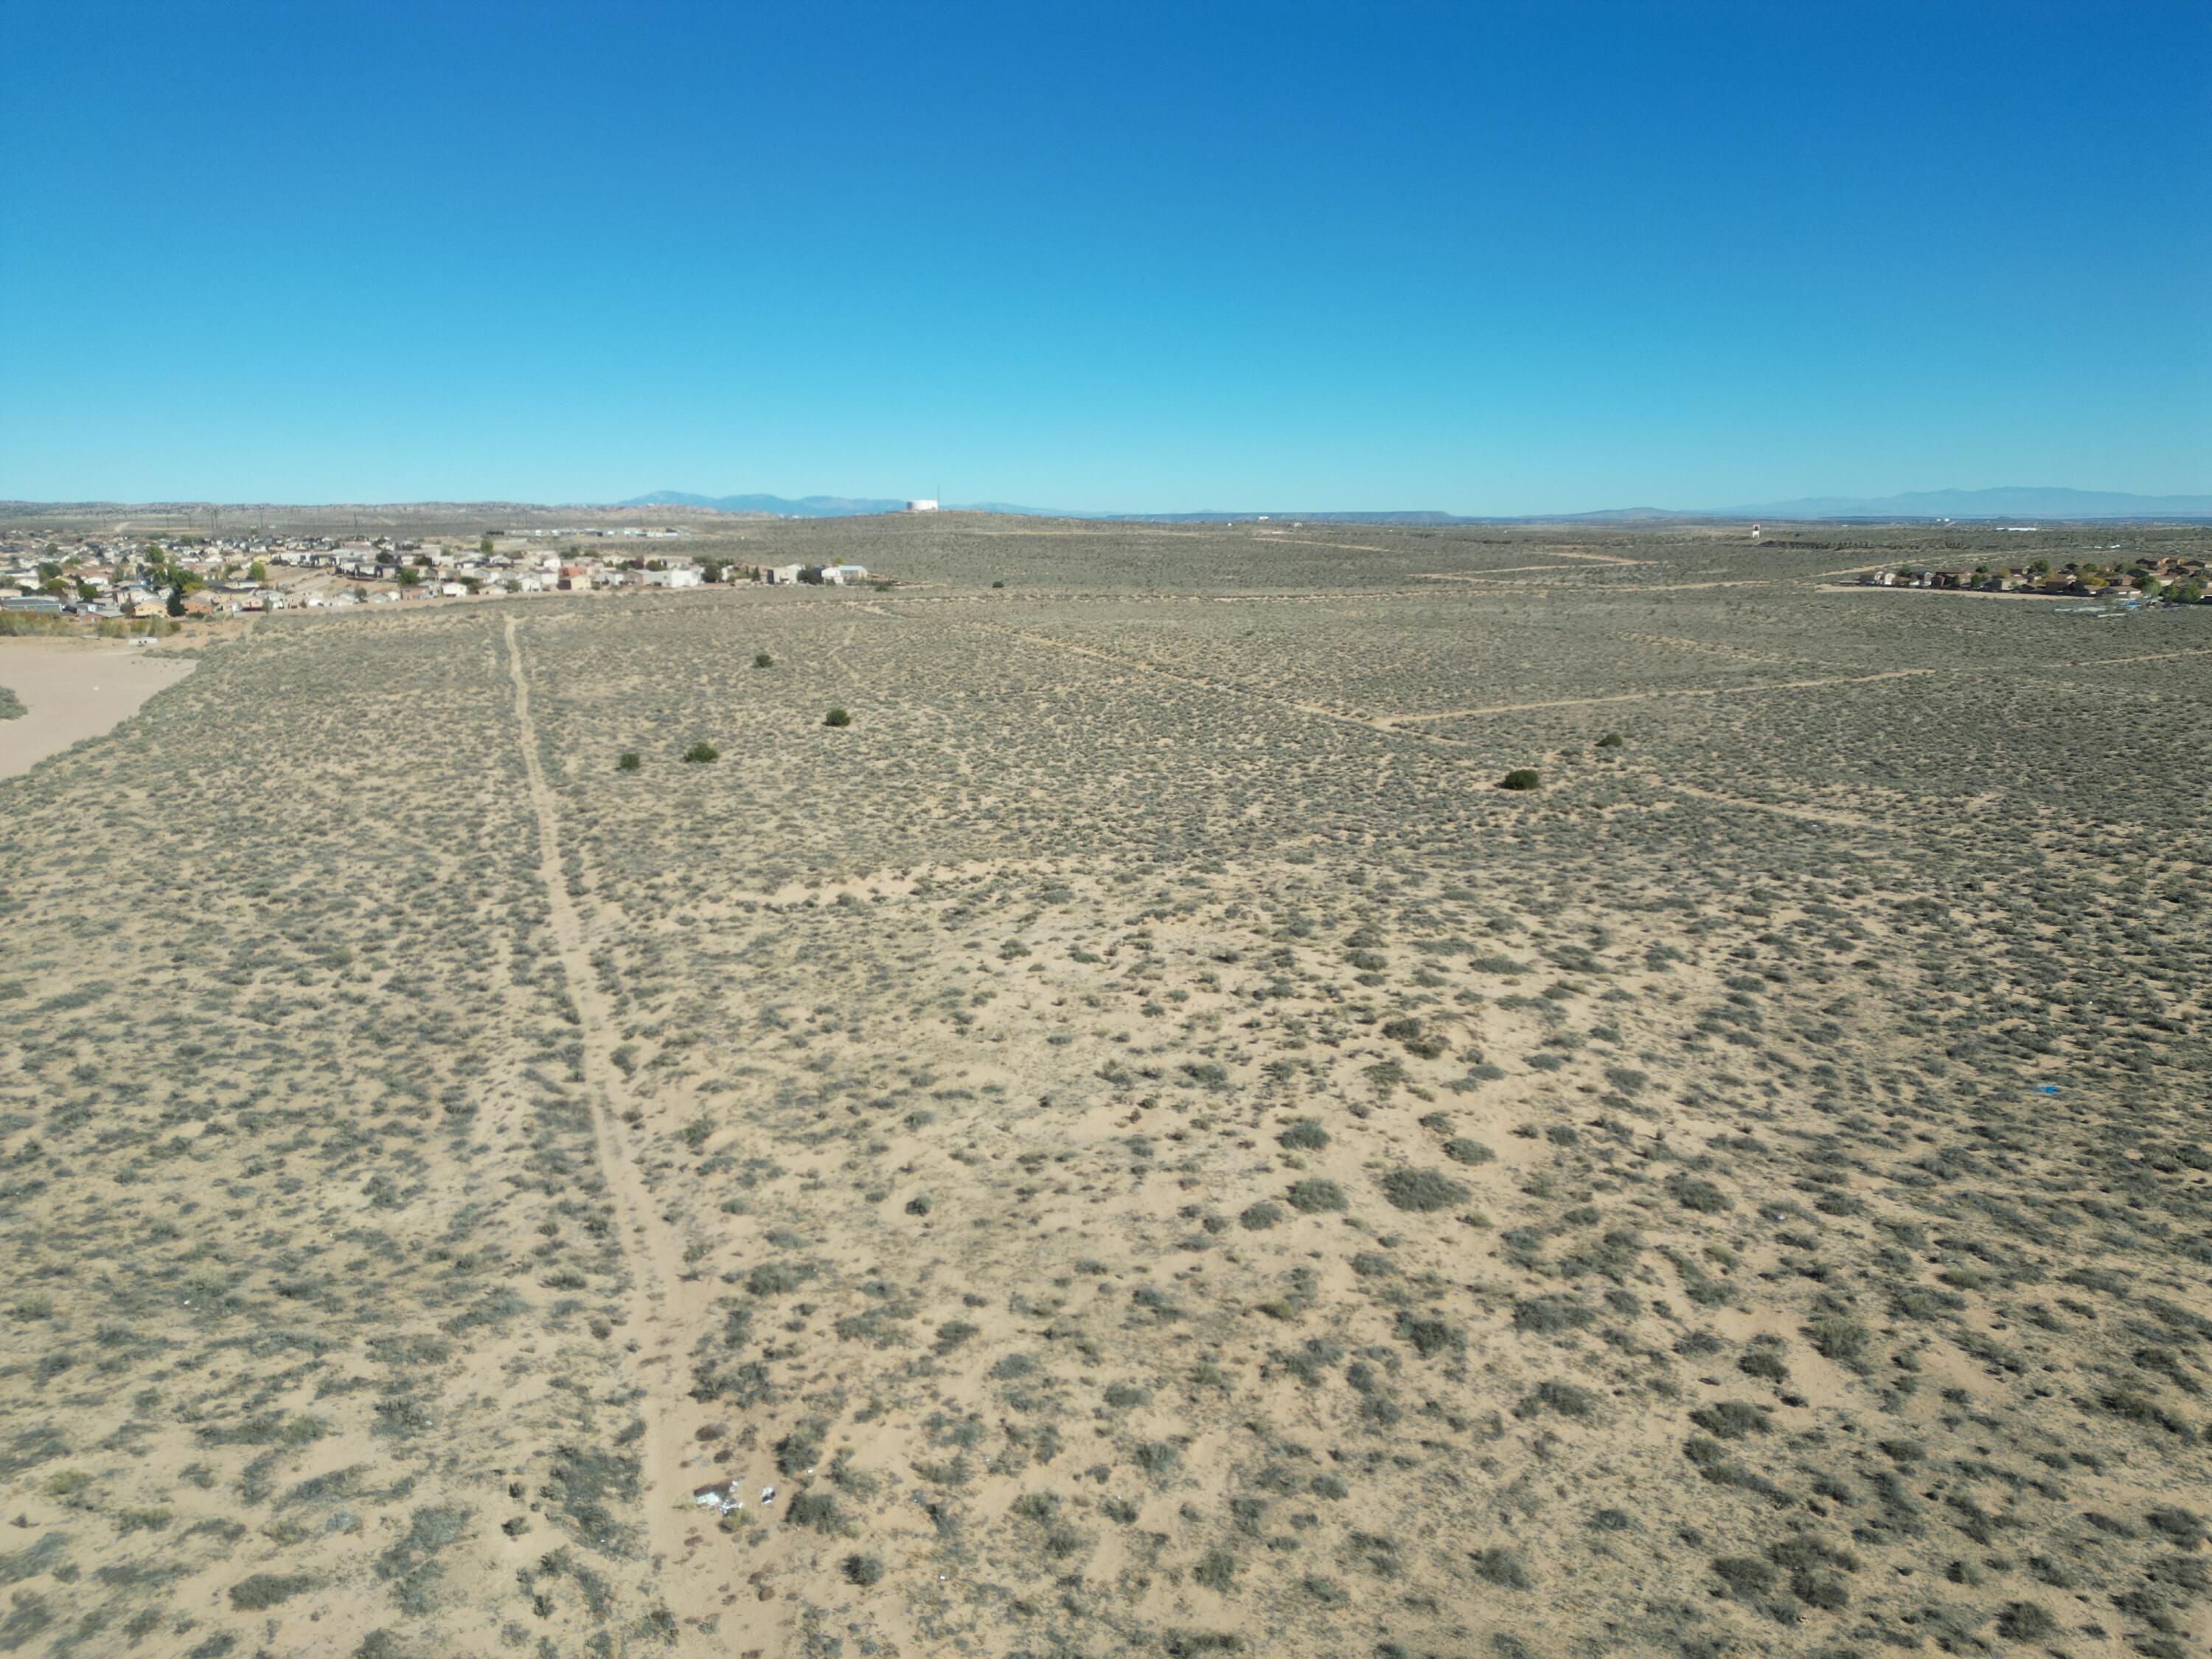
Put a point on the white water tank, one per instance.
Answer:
(921, 506)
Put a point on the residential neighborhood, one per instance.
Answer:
(132, 581)
(2167, 578)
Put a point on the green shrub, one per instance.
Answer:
(1521, 777)
(266, 1590)
(1217, 1571)
(1460, 1150)
(818, 1509)
(1502, 1566)
(1838, 1339)
(700, 753)
(1422, 1189)
(836, 717)
(1311, 1197)
(861, 1570)
(762, 659)
(1611, 740)
(1565, 1398)
(1746, 1575)
(1430, 1337)
(1305, 1135)
(629, 761)
(2024, 1621)
(1699, 1195)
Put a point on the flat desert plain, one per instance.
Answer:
(1135, 1144)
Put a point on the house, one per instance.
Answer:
(42, 604)
(781, 576)
(844, 572)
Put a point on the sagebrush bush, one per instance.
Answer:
(1422, 1189)
(699, 753)
(1311, 1197)
(1520, 777)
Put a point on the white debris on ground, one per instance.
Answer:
(722, 1498)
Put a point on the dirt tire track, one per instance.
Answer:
(652, 1253)
(1671, 691)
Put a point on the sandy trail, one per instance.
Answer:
(74, 689)
(657, 1293)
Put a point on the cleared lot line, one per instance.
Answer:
(1797, 685)
(1678, 691)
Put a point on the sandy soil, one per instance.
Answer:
(73, 689)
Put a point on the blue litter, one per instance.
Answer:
(2047, 1088)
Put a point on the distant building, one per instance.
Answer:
(921, 506)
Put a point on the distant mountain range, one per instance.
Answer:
(2015, 502)
(806, 507)
(2007, 503)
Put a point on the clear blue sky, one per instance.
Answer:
(1489, 259)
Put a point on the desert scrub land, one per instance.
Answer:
(1136, 1139)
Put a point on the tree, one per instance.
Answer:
(836, 717)
(1521, 777)
(484, 546)
(409, 576)
(257, 572)
(762, 659)
(700, 753)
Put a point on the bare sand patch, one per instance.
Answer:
(73, 689)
